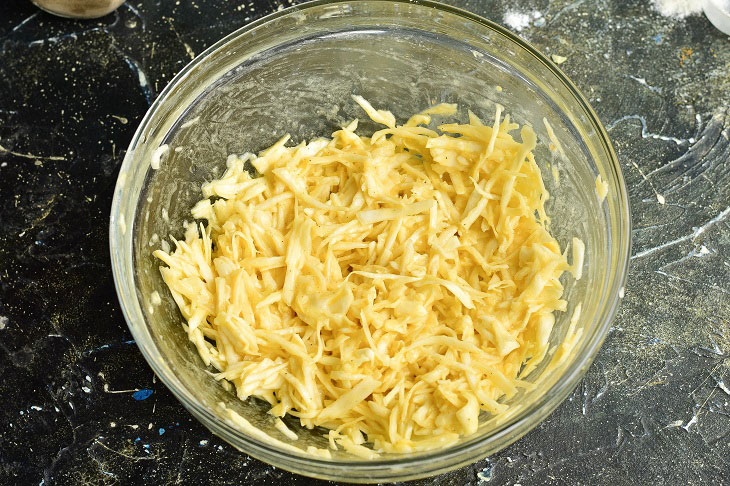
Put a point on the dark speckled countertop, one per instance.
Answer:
(78, 403)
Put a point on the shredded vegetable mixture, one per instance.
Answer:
(388, 288)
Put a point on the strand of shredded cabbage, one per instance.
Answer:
(389, 288)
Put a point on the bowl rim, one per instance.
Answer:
(443, 459)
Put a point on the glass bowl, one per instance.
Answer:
(294, 72)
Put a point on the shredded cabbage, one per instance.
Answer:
(388, 288)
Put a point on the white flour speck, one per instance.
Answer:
(3, 322)
(678, 9)
(692, 422)
(518, 20)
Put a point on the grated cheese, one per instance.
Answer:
(157, 156)
(554, 142)
(281, 427)
(556, 175)
(387, 288)
(601, 188)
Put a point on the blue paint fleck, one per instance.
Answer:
(651, 340)
(486, 474)
(658, 38)
(162, 431)
(107, 473)
(143, 394)
(106, 346)
(137, 440)
(146, 446)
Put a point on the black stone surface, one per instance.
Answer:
(78, 403)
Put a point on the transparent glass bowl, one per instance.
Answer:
(293, 72)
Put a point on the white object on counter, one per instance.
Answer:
(718, 13)
(678, 9)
